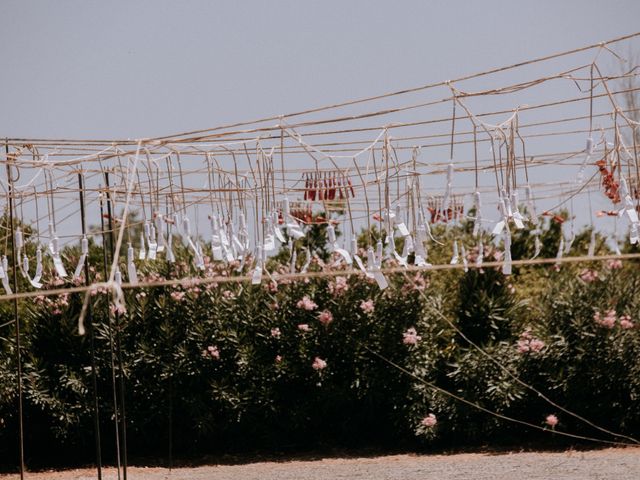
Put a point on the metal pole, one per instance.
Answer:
(123, 415)
(105, 259)
(15, 312)
(96, 411)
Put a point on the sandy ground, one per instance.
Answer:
(615, 463)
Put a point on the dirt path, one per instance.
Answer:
(618, 464)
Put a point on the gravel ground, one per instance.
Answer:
(615, 463)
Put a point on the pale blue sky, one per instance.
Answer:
(131, 69)
(114, 69)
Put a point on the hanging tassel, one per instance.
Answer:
(4, 271)
(560, 249)
(454, 257)
(374, 268)
(502, 208)
(186, 230)
(515, 212)
(480, 257)
(506, 266)
(464, 258)
(256, 277)
(531, 206)
(55, 254)
(171, 258)
(592, 244)
(159, 227)
(333, 245)
(356, 257)
(19, 244)
(216, 244)
(447, 191)
(131, 267)
(142, 253)
(378, 257)
(477, 223)
(588, 152)
(276, 228)
(307, 261)
(84, 250)
(36, 278)
(421, 253)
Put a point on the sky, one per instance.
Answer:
(86, 69)
(131, 69)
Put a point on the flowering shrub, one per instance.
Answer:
(227, 366)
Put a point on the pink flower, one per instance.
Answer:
(213, 352)
(272, 287)
(275, 332)
(551, 420)
(625, 322)
(303, 327)
(429, 421)
(338, 287)
(119, 309)
(411, 337)
(278, 358)
(588, 275)
(319, 364)
(307, 304)
(367, 306)
(177, 296)
(228, 294)
(523, 346)
(536, 345)
(325, 317)
(609, 321)
(614, 264)
(528, 343)
(419, 283)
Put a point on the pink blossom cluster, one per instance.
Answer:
(228, 294)
(411, 337)
(319, 364)
(367, 306)
(528, 343)
(306, 303)
(418, 282)
(429, 421)
(55, 304)
(211, 351)
(339, 286)
(614, 264)
(551, 420)
(610, 318)
(304, 327)
(588, 275)
(275, 332)
(325, 317)
(178, 296)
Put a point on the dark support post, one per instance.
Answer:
(94, 376)
(15, 313)
(123, 415)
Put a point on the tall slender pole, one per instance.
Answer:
(15, 312)
(116, 414)
(123, 414)
(94, 378)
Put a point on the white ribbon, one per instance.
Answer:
(84, 250)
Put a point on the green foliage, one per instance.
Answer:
(226, 366)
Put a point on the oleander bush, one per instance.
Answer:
(328, 361)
